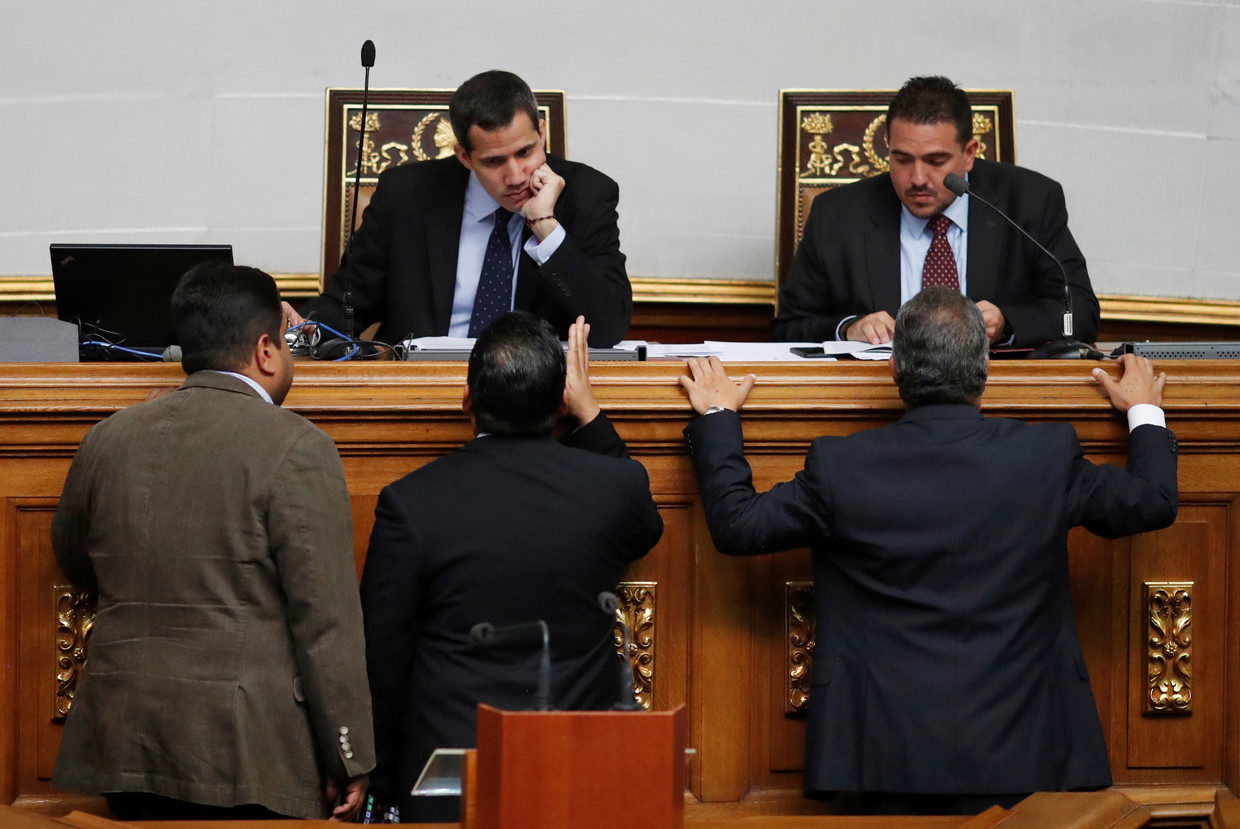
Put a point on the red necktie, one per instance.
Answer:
(940, 266)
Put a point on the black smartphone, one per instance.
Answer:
(810, 351)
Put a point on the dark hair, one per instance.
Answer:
(516, 376)
(933, 99)
(489, 100)
(940, 349)
(220, 311)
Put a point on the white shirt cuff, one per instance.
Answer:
(540, 252)
(842, 326)
(1146, 414)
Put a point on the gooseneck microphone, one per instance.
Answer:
(1066, 347)
(628, 701)
(368, 60)
(485, 634)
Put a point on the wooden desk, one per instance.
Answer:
(724, 632)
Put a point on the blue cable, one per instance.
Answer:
(152, 354)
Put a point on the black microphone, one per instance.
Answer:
(1066, 347)
(485, 634)
(368, 60)
(628, 700)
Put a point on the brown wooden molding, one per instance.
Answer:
(656, 290)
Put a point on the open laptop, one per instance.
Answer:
(120, 293)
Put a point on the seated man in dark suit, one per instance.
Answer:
(512, 528)
(947, 672)
(225, 673)
(447, 246)
(871, 245)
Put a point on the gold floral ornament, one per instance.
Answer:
(1170, 654)
(877, 163)
(981, 125)
(636, 609)
(817, 124)
(799, 624)
(75, 618)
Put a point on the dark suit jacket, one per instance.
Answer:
(505, 530)
(405, 254)
(947, 658)
(848, 261)
(226, 657)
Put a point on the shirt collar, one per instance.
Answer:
(957, 211)
(478, 202)
(250, 381)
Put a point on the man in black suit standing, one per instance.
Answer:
(512, 528)
(869, 246)
(447, 246)
(947, 675)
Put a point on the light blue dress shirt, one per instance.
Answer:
(915, 238)
(477, 222)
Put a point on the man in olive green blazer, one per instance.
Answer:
(226, 673)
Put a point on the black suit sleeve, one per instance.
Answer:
(1114, 502)
(809, 310)
(391, 615)
(586, 275)
(1039, 318)
(598, 436)
(363, 270)
(741, 521)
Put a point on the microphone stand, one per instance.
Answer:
(1065, 347)
(368, 60)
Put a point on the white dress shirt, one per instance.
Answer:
(477, 222)
(250, 381)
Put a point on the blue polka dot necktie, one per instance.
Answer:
(494, 297)
(940, 266)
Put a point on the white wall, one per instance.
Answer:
(203, 121)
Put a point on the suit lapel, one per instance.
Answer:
(882, 255)
(443, 240)
(985, 233)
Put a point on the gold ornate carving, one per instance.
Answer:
(981, 125)
(878, 164)
(75, 617)
(444, 139)
(799, 609)
(818, 124)
(637, 602)
(372, 162)
(1170, 655)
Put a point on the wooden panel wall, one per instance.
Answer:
(722, 634)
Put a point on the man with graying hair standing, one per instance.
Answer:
(227, 677)
(947, 672)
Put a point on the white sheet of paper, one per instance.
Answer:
(761, 352)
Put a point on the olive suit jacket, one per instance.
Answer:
(226, 664)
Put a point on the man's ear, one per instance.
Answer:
(462, 155)
(563, 410)
(265, 355)
(542, 131)
(467, 403)
(891, 366)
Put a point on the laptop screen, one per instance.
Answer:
(121, 293)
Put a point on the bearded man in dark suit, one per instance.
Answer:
(226, 678)
(947, 672)
(447, 246)
(870, 246)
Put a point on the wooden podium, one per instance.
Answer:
(576, 768)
